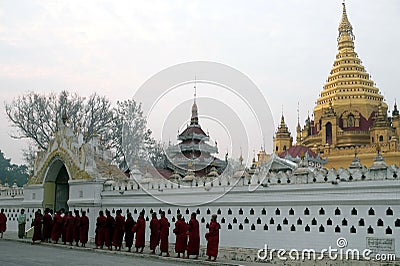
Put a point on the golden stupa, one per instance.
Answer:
(350, 117)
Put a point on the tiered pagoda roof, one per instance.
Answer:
(193, 151)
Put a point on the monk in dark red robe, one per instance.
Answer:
(3, 222)
(213, 238)
(119, 227)
(64, 226)
(76, 227)
(181, 238)
(193, 247)
(100, 230)
(70, 225)
(129, 224)
(47, 226)
(37, 227)
(109, 230)
(57, 227)
(154, 233)
(140, 230)
(83, 229)
(164, 234)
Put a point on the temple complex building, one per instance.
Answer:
(350, 116)
(283, 139)
(193, 155)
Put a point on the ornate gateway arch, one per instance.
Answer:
(67, 160)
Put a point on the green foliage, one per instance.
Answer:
(13, 172)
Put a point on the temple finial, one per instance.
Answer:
(64, 117)
(282, 118)
(298, 113)
(345, 27)
(195, 118)
(395, 110)
(195, 88)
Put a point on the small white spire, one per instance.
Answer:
(195, 88)
(298, 113)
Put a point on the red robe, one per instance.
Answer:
(213, 239)
(76, 228)
(154, 233)
(3, 222)
(70, 225)
(181, 238)
(37, 228)
(57, 227)
(83, 229)
(140, 230)
(118, 230)
(193, 246)
(100, 230)
(129, 223)
(64, 228)
(47, 226)
(164, 233)
(109, 231)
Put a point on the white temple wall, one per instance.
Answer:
(86, 196)
(277, 215)
(252, 219)
(11, 206)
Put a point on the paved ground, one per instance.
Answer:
(14, 253)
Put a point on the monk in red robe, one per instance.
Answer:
(76, 227)
(109, 230)
(100, 230)
(154, 232)
(140, 230)
(213, 238)
(37, 227)
(119, 227)
(57, 227)
(47, 225)
(193, 247)
(3, 222)
(83, 229)
(70, 225)
(64, 227)
(129, 224)
(164, 234)
(181, 239)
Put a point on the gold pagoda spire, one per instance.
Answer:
(298, 127)
(346, 36)
(348, 84)
(345, 26)
(283, 122)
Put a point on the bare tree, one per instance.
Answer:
(36, 116)
(131, 138)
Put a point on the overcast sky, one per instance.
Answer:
(112, 47)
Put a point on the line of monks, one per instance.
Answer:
(110, 232)
(62, 225)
